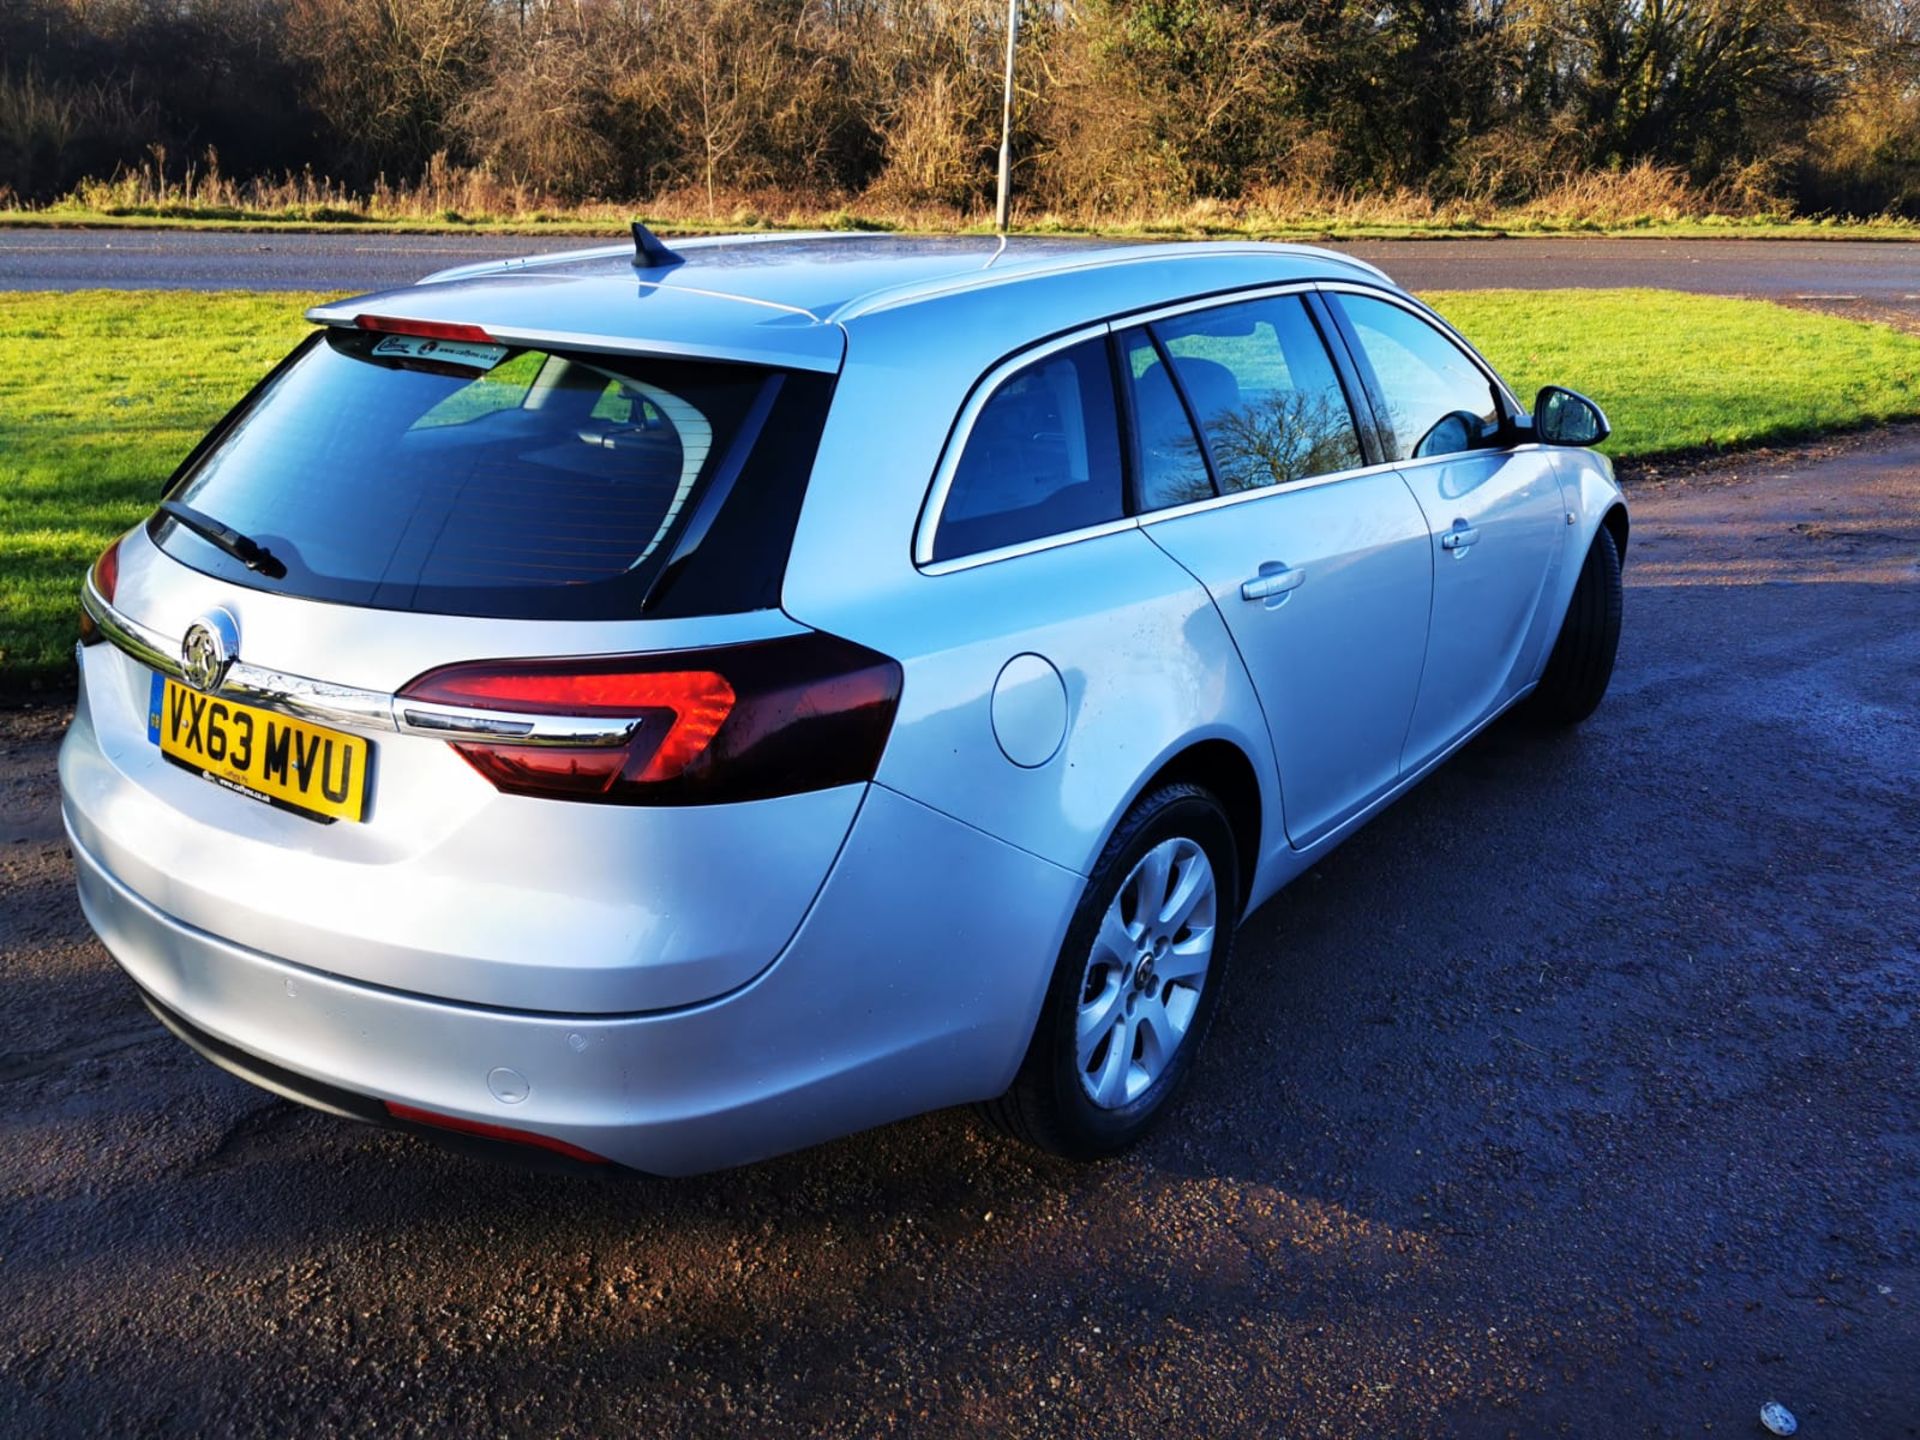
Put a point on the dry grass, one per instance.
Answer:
(444, 192)
(1644, 198)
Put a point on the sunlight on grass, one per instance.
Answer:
(101, 395)
(1687, 372)
(103, 392)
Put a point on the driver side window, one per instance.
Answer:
(1437, 401)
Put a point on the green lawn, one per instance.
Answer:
(1692, 372)
(102, 392)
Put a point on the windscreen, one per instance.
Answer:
(457, 477)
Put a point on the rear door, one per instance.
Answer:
(1494, 512)
(1250, 472)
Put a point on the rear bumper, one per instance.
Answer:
(913, 983)
(541, 1154)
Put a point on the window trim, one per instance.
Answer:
(1345, 367)
(984, 389)
(1352, 382)
(1215, 301)
(1268, 492)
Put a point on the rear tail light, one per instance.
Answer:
(737, 722)
(105, 578)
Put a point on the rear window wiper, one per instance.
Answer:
(249, 552)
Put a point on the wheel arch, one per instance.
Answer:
(1221, 768)
(1615, 523)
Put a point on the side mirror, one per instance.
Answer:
(1564, 417)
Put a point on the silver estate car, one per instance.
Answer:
(665, 707)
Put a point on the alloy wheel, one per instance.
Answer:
(1144, 976)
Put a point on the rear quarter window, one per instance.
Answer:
(512, 482)
(1041, 458)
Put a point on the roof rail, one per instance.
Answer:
(1123, 253)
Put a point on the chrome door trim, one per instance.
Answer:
(1266, 492)
(983, 389)
(459, 722)
(936, 501)
(1031, 547)
(351, 707)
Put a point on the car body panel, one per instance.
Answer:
(784, 303)
(1143, 661)
(834, 275)
(1336, 661)
(1591, 494)
(1485, 638)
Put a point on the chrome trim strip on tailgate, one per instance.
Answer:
(350, 707)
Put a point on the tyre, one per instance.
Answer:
(1136, 983)
(1582, 660)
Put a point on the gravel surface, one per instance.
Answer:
(1880, 273)
(1573, 1097)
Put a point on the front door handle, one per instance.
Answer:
(1273, 584)
(1459, 537)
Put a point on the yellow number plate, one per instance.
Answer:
(307, 769)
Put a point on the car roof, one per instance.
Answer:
(783, 299)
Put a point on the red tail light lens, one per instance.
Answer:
(106, 571)
(426, 329)
(738, 722)
(105, 576)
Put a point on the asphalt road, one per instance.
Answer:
(1574, 1097)
(1885, 273)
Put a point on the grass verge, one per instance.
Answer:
(102, 392)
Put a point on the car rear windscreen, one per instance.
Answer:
(455, 477)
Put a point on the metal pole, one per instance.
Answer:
(1004, 198)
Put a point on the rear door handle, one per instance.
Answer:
(1459, 537)
(1274, 582)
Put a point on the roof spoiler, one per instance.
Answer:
(650, 252)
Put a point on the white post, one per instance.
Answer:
(1003, 200)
